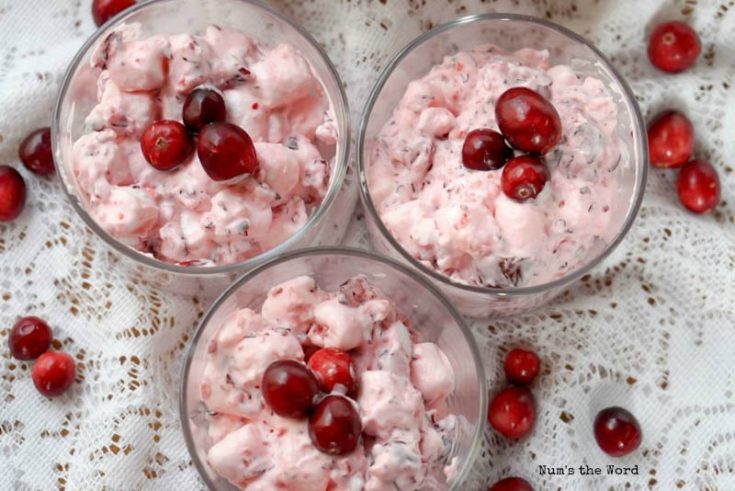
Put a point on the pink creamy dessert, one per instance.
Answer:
(401, 393)
(183, 216)
(459, 221)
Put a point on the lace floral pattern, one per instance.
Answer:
(650, 330)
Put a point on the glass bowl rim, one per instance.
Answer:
(640, 170)
(477, 438)
(342, 158)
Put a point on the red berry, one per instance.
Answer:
(673, 47)
(522, 366)
(335, 427)
(698, 186)
(512, 412)
(485, 149)
(333, 366)
(617, 432)
(166, 144)
(226, 151)
(289, 388)
(511, 484)
(29, 338)
(670, 140)
(528, 120)
(102, 10)
(203, 106)
(53, 373)
(12, 193)
(35, 152)
(524, 177)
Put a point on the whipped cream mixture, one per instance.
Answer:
(183, 216)
(458, 221)
(403, 384)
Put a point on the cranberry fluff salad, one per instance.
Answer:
(204, 149)
(327, 391)
(499, 170)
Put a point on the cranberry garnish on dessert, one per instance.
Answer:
(289, 388)
(396, 432)
(35, 152)
(335, 427)
(12, 193)
(29, 338)
(103, 10)
(485, 149)
(521, 366)
(226, 151)
(511, 484)
(617, 431)
(333, 367)
(507, 227)
(53, 373)
(524, 177)
(512, 412)
(670, 140)
(674, 46)
(203, 106)
(166, 144)
(528, 120)
(260, 122)
(698, 186)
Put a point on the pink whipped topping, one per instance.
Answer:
(403, 385)
(458, 221)
(183, 216)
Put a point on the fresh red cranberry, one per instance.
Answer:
(698, 186)
(511, 484)
(102, 10)
(289, 388)
(12, 193)
(528, 120)
(226, 151)
(673, 47)
(522, 366)
(670, 140)
(512, 412)
(335, 427)
(333, 366)
(53, 373)
(203, 106)
(485, 149)
(29, 338)
(617, 432)
(524, 177)
(35, 152)
(166, 144)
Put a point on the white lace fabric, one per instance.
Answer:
(653, 329)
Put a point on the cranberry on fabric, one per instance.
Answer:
(674, 46)
(12, 193)
(103, 10)
(35, 152)
(617, 431)
(512, 412)
(698, 186)
(521, 366)
(511, 484)
(53, 373)
(670, 140)
(29, 338)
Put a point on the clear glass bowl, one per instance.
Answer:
(325, 226)
(509, 32)
(433, 317)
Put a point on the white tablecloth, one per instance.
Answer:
(652, 330)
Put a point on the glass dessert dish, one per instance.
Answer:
(219, 26)
(417, 303)
(419, 112)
